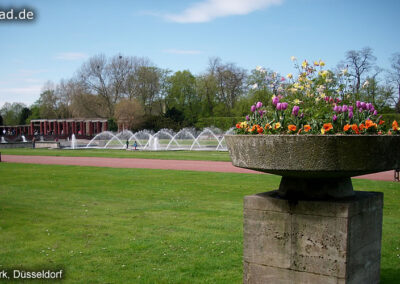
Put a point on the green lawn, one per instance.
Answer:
(106, 225)
(165, 155)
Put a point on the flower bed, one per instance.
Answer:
(314, 103)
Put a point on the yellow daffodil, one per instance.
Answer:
(316, 63)
(296, 101)
(277, 125)
(290, 75)
(321, 63)
(304, 64)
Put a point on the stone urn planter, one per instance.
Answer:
(314, 228)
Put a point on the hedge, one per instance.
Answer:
(389, 117)
(223, 123)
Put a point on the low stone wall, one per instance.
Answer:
(15, 145)
(38, 144)
(47, 144)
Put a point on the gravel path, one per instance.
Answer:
(204, 166)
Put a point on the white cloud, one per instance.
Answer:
(71, 56)
(209, 10)
(27, 94)
(182, 51)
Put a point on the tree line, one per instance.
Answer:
(135, 92)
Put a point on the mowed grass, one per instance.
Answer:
(165, 155)
(106, 225)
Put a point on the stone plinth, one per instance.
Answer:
(328, 241)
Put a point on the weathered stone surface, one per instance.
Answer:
(288, 241)
(315, 166)
(261, 274)
(315, 156)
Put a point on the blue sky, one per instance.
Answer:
(180, 35)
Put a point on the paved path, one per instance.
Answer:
(205, 166)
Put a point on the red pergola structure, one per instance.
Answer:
(66, 127)
(58, 127)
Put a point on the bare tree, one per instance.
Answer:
(359, 63)
(94, 76)
(394, 75)
(119, 70)
(231, 81)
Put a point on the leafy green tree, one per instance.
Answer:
(23, 116)
(48, 104)
(35, 113)
(11, 113)
(182, 95)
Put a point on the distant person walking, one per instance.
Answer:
(33, 142)
(135, 145)
(127, 144)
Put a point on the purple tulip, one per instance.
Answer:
(375, 112)
(295, 110)
(275, 100)
(247, 117)
(372, 108)
(260, 112)
(337, 108)
(253, 108)
(334, 117)
(345, 108)
(351, 108)
(360, 110)
(279, 106)
(284, 106)
(258, 105)
(363, 105)
(358, 104)
(301, 115)
(368, 106)
(350, 114)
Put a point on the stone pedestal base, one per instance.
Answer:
(335, 241)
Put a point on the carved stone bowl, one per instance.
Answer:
(315, 166)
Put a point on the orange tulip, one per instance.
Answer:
(328, 127)
(395, 125)
(346, 127)
(292, 128)
(307, 128)
(354, 127)
(369, 123)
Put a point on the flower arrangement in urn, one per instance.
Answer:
(314, 103)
